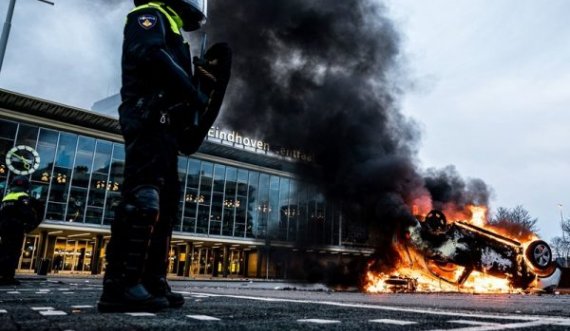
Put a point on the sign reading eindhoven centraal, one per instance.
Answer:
(237, 140)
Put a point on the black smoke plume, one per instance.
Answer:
(324, 76)
(321, 76)
(449, 191)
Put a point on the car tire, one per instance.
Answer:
(436, 222)
(539, 256)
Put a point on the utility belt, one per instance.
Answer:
(157, 109)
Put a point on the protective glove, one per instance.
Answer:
(203, 71)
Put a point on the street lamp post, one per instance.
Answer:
(7, 26)
(563, 235)
(562, 221)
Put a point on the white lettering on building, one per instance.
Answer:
(236, 138)
(217, 134)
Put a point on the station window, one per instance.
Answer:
(7, 135)
(284, 211)
(252, 214)
(242, 204)
(80, 178)
(41, 178)
(230, 202)
(115, 183)
(27, 135)
(217, 200)
(204, 197)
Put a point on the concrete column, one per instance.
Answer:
(41, 250)
(259, 262)
(245, 264)
(215, 261)
(187, 263)
(96, 257)
(225, 262)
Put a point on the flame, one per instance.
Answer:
(415, 273)
(478, 216)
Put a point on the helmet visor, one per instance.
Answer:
(199, 5)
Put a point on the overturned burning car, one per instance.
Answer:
(452, 251)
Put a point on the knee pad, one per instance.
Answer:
(143, 205)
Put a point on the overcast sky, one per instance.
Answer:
(489, 83)
(492, 95)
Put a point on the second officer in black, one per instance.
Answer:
(157, 78)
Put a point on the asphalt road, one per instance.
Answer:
(69, 304)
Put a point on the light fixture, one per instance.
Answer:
(79, 235)
(264, 207)
(45, 176)
(61, 178)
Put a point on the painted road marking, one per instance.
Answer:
(395, 322)
(318, 321)
(203, 317)
(468, 322)
(141, 314)
(520, 325)
(541, 320)
(13, 292)
(52, 313)
(42, 308)
(3, 311)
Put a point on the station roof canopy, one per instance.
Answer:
(27, 105)
(55, 111)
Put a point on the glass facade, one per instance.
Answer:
(80, 179)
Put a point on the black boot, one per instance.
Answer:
(126, 255)
(154, 277)
(119, 297)
(159, 288)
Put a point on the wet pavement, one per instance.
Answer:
(70, 304)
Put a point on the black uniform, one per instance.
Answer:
(17, 216)
(157, 79)
(157, 83)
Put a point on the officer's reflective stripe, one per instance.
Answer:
(14, 196)
(175, 20)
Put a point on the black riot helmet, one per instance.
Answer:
(192, 12)
(20, 184)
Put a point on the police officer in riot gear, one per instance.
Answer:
(18, 215)
(157, 76)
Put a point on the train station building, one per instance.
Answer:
(243, 211)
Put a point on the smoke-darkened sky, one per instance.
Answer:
(323, 76)
(483, 83)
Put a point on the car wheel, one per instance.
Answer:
(436, 222)
(539, 254)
